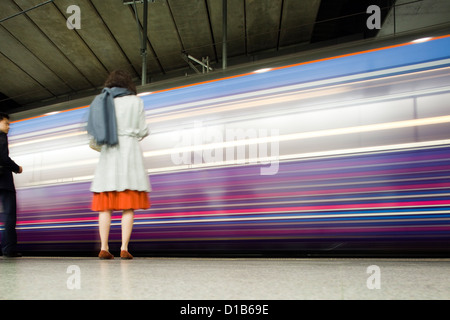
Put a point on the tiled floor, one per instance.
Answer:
(223, 278)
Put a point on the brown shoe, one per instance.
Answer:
(105, 255)
(125, 255)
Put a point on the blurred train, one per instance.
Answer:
(342, 155)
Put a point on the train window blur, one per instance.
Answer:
(363, 147)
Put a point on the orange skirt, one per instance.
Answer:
(120, 200)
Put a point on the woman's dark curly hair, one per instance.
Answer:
(121, 79)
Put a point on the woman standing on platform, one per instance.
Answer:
(117, 124)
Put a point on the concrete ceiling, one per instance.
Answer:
(43, 61)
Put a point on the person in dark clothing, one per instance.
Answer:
(7, 192)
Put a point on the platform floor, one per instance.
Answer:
(224, 278)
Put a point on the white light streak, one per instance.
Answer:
(422, 40)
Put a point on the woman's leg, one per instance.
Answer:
(127, 227)
(104, 224)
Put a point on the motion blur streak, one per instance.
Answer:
(363, 153)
